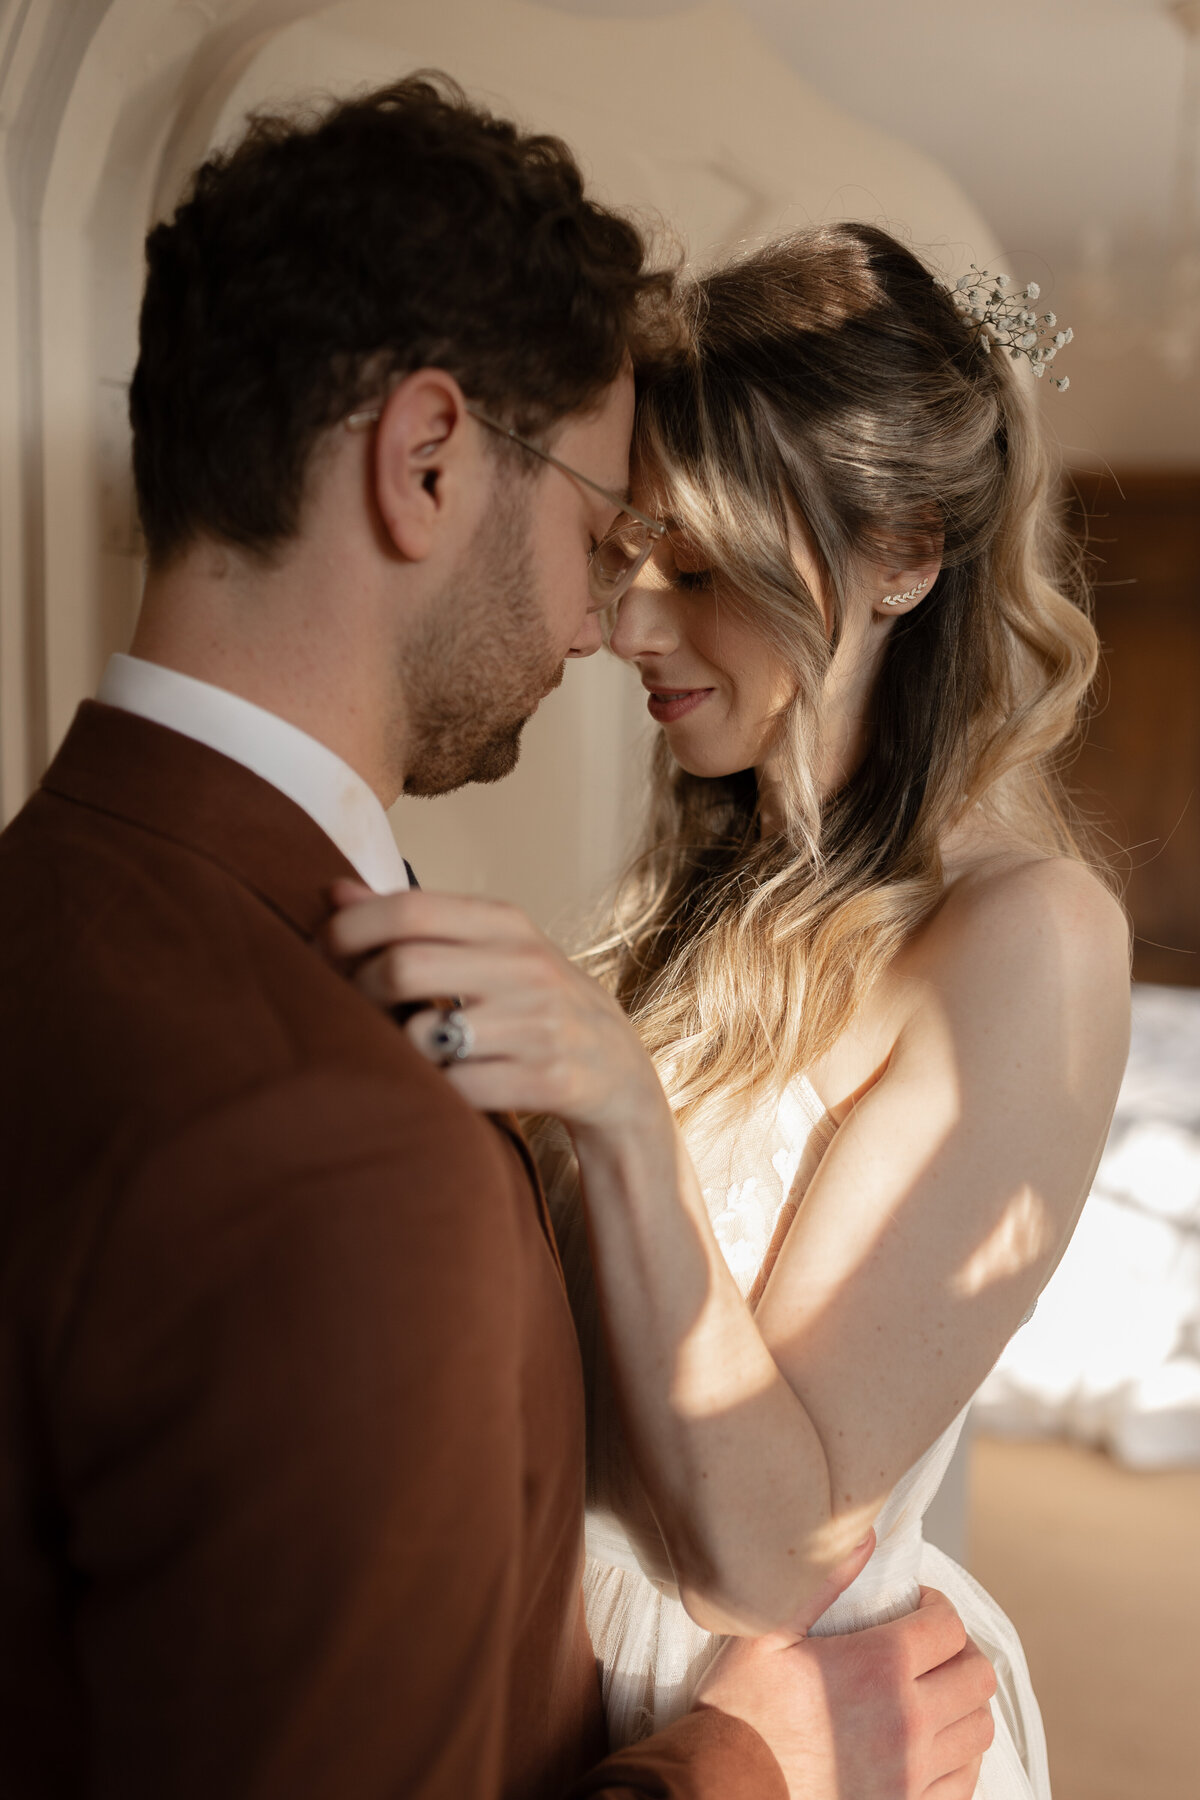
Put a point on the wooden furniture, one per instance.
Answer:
(1138, 774)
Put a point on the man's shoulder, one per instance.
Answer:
(141, 917)
(181, 1070)
(326, 1129)
(144, 987)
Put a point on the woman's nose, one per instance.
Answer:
(643, 625)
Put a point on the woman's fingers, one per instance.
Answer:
(421, 971)
(361, 925)
(506, 1087)
(494, 1033)
(416, 946)
(545, 1037)
(513, 1062)
(346, 891)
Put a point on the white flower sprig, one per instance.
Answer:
(1004, 318)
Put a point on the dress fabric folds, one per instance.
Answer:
(651, 1654)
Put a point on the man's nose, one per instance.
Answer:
(643, 625)
(588, 638)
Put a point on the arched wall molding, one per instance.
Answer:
(89, 94)
(42, 46)
(105, 105)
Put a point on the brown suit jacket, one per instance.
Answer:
(291, 1427)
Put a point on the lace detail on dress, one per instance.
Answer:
(750, 1215)
(742, 1228)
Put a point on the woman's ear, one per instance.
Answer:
(420, 451)
(904, 589)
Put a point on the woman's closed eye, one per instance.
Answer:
(685, 565)
(689, 576)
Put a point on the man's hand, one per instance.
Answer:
(896, 1712)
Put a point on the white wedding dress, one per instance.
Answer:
(651, 1654)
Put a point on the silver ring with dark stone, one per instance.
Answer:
(453, 1037)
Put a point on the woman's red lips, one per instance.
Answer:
(668, 704)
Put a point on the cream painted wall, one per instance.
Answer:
(1125, 407)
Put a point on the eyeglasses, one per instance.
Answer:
(615, 563)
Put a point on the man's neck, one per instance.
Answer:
(271, 642)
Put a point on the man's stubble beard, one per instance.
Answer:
(482, 659)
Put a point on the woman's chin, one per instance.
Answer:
(705, 764)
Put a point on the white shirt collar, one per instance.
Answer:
(333, 794)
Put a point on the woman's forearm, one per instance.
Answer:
(732, 1463)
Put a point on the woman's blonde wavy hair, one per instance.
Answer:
(828, 379)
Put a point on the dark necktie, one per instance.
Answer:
(406, 1009)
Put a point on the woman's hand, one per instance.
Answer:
(546, 1038)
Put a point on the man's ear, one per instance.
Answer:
(422, 452)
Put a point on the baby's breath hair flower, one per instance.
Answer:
(1004, 319)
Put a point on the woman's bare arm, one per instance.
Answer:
(767, 1443)
(953, 1185)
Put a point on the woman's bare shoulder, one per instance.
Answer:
(1016, 896)
(1017, 930)
(1018, 940)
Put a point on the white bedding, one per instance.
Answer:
(1112, 1355)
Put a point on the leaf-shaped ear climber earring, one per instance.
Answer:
(899, 599)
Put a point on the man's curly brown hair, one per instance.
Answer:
(328, 253)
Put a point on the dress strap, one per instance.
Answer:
(814, 1108)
